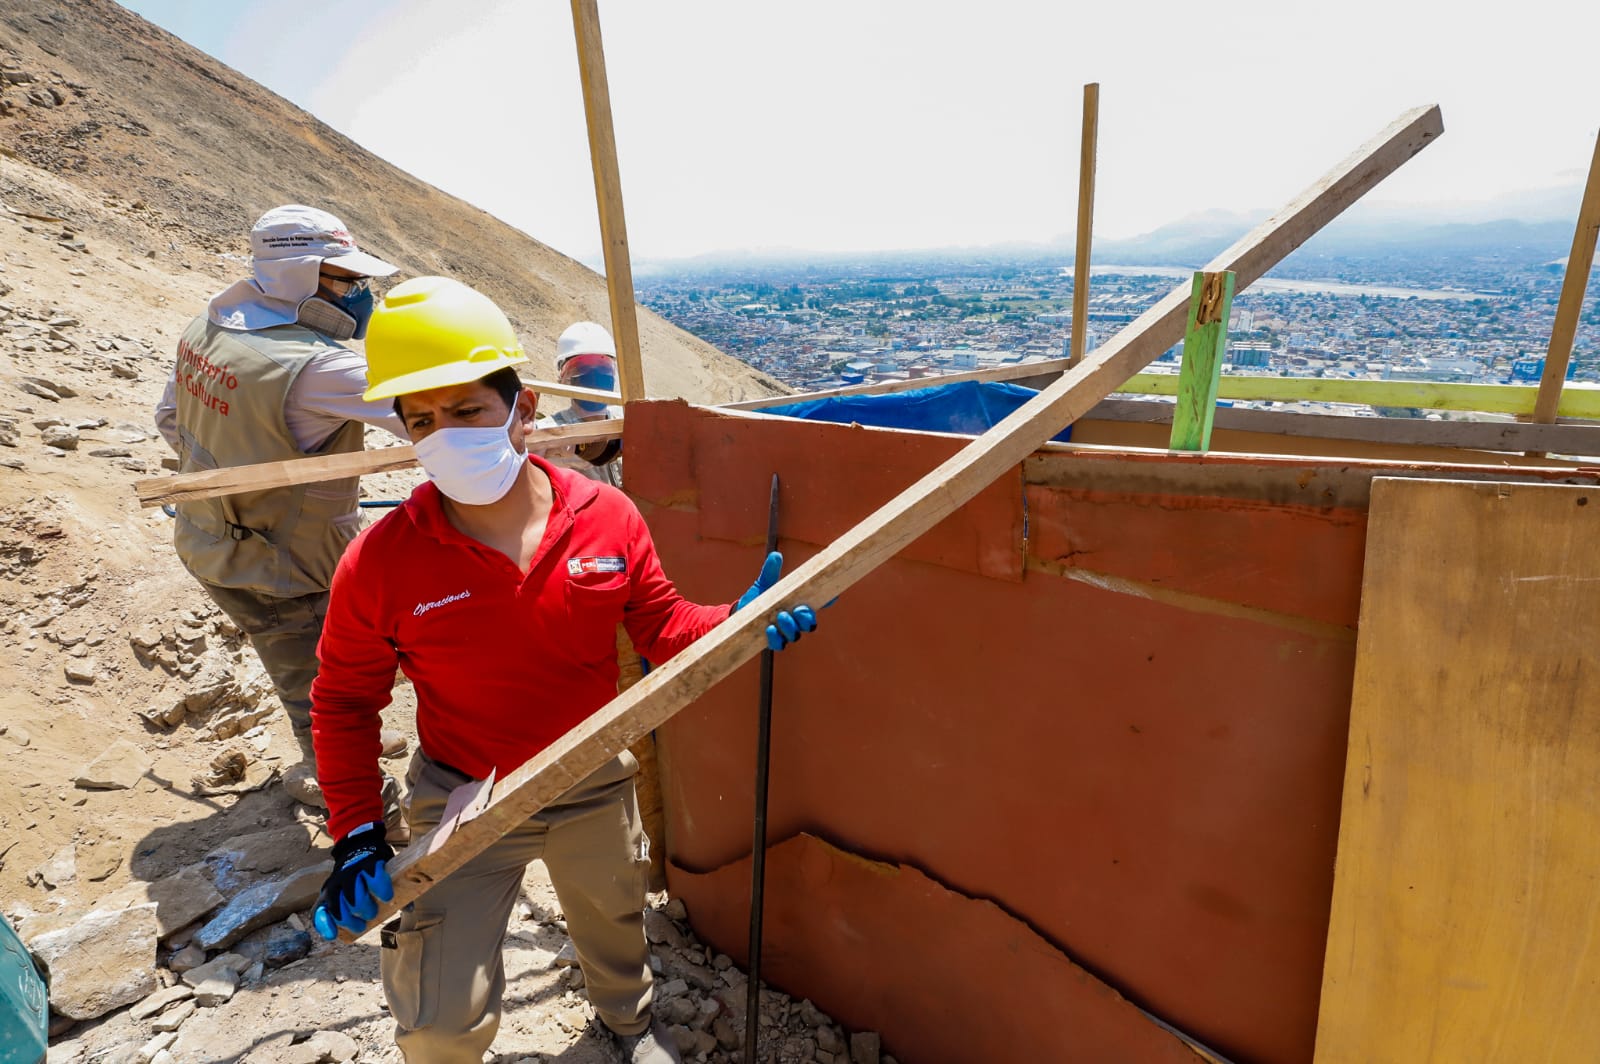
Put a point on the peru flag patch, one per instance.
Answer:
(579, 566)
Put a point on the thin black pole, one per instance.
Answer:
(758, 848)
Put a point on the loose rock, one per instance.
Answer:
(180, 898)
(659, 929)
(187, 959)
(215, 981)
(865, 1048)
(60, 869)
(275, 946)
(264, 903)
(60, 436)
(84, 671)
(263, 851)
(158, 1001)
(103, 962)
(147, 1053)
(324, 1047)
(173, 1018)
(119, 767)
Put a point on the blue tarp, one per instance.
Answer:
(972, 407)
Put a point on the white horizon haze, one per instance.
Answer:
(850, 126)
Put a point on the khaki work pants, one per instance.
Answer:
(284, 633)
(443, 973)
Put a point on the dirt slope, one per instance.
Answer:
(131, 166)
(180, 154)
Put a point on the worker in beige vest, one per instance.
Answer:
(263, 375)
(586, 357)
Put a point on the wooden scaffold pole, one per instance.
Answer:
(608, 195)
(1085, 233)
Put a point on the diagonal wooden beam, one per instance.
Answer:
(209, 483)
(649, 703)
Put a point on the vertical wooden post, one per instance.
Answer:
(1576, 282)
(1080, 259)
(1204, 343)
(608, 194)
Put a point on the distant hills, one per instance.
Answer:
(1371, 234)
(1536, 230)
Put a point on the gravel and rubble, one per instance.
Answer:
(279, 994)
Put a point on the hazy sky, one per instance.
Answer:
(859, 125)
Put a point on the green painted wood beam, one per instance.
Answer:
(1577, 400)
(1205, 341)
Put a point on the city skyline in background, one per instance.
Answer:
(858, 128)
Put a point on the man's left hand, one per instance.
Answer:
(789, 625)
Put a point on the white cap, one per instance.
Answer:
(297, 231)
(584, 338)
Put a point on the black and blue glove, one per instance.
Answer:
(359, 880)
(789, 625)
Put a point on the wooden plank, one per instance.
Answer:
(1577, 400)
(1571, 438)
(1580, 260)
(566, 762)
(1205, 341)
(155, 491)
(1465, 922)
(608, 196)
(1085, 234)
(1280, 481)
(572, 391)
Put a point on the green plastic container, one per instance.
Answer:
(24, 1003)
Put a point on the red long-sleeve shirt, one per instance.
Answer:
(503, 664)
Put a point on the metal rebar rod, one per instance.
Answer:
(758, 847)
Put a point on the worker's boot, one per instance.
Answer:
(300, 783)
(653, 1045)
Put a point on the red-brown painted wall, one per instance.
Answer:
(1148, 777)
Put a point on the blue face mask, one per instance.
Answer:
(359, 304)
(600, 378)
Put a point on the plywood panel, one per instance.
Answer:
(1465, 922)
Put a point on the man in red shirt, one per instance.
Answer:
(496, 588)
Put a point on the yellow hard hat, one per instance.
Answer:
(432, 332)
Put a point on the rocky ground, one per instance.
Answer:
(149, 852)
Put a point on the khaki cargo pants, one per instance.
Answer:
(284, 634)
(442, 969)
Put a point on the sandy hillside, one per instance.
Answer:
(140, 741)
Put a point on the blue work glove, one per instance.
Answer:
(359, 880)
(789, 625)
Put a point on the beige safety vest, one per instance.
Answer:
(231, 390)
(567, 457)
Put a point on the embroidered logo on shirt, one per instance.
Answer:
(579, 566)
(424, 607)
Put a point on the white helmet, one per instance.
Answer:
(584, 338)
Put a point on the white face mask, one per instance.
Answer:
(472, 466)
